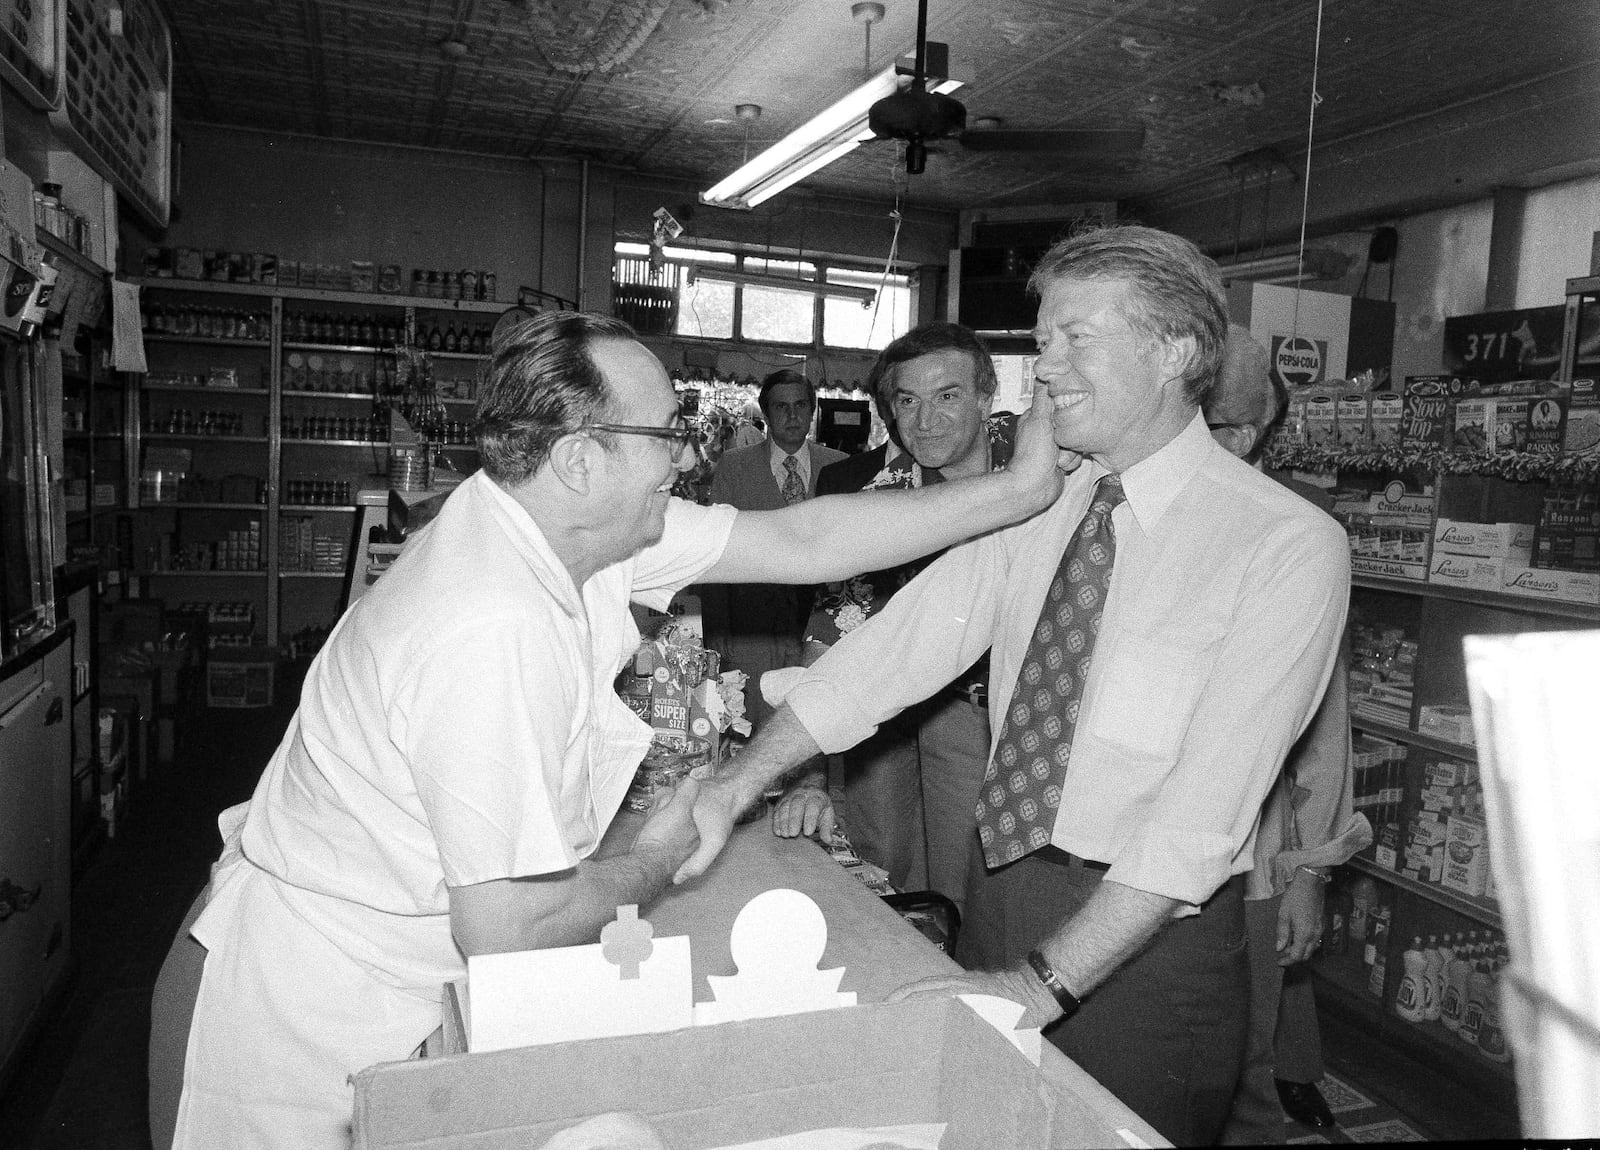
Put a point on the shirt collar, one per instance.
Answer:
(530, 542)
(779, 455)
(1155, 481)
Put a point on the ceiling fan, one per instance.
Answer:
(916, 115)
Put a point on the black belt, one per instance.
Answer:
(1051, 853)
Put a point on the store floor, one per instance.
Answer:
(82, 1085)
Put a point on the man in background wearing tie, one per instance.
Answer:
(1161, 635)
(757, 627)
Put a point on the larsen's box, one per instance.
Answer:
(1556, 586)
(928, 1060)
(240, 677)
(1466, 571)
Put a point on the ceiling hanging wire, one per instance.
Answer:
(1305, 191)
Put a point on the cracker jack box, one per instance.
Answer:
(779, 1053)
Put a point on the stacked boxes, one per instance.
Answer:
(302, 548)
(1382, 663)
(1378, 774)
(1466, 850)
(1479, 555)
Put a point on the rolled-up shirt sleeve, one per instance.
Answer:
(934, 628)
(1268, 675)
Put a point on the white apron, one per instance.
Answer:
(283, 988)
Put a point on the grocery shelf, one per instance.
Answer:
(192, 387)
(384, 443)
(322, 295)
(1479, 909)
(304, 394)
(167, 573)
(1414, 738)
(207, 340)
(1479, 598)
(311, 574)
(463, 355)
(191, 505)
(1432, 1043)
(165, 435)
(347, 348)
(307, 507)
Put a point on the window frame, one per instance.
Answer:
(682, 256)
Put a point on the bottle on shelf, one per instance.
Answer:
(1377, 952)
(1408, 1001)
(1454, 999)
(1491, 1034)
(452, 342)
(1433, 980)
(435, 339)
(1363, 896)
(1336, 917)
(1477, 995)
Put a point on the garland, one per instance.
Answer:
(1520, 466)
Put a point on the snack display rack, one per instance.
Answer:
(1426, 876)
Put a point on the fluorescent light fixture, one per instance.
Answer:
(812, 146)
(867, 296)
(1289, 267)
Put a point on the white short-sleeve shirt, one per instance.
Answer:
(461, 724)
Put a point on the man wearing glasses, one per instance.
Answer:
(459, 749)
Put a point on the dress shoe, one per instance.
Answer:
(1303, 1102)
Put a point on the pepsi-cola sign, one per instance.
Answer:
(1299, 361)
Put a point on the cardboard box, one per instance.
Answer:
(240, 677)
(1448, 721)
(1321, 420)
(1511, 423)
(1426, 417)
(1547, 423)
(1466, 856)
(1466, 571)
(1474, 429)
(1352, 414)
(925, 1060)
(1386, 413)
(1581, 435)
(1555, 586)
(1386, 849)
(1510, 541)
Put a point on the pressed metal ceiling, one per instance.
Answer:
(651, 85)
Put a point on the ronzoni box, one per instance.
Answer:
(926, 1060)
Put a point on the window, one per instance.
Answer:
(722, 295)
(853, 323)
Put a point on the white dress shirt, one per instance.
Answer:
(1227, 599)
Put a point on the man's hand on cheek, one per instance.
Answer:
(1037, 459)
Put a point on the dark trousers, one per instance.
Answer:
(1166, 1032)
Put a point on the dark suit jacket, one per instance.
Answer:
(744, 476)
(853, 472)
(758, 627)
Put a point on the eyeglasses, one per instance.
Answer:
(684, 440)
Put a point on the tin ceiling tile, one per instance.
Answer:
(664, 75)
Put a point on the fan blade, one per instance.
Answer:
(1086, 141)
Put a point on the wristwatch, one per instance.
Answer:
(1064, 998)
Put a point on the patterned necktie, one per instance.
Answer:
(794, 488)
(1022, 785)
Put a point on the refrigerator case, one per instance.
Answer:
(27, 596)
